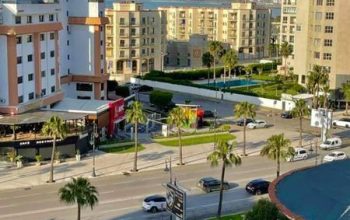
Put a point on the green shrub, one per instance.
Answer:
(38, 158)
(265, 210)
(160, 98)
(224, 127)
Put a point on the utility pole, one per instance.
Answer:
(94, 135)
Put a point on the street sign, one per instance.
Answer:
(176, 200)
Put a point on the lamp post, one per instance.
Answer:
(94, 135)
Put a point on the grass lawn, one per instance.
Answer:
(114, 141)
(197, 140)
(122, 149)
(229, 217)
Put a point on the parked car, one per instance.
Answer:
(154, 203)
(210, 184)
(257, 186)
(208, 114)
(257, 124)
(240, 122)
(343, 122)
(335, 155)
(331, 143)
(287, 114)
(300, 154)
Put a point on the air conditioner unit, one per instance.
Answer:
(2, 100)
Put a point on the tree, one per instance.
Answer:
(79, 191)
(54, 128)
(299, 111)
(265, 210)
(230, 60)
(223, 153)
(207, 60)
(160, 98)
(177, 118)
(245, 110)
(286, 50)
(277, 148)
(215, 49)
(135, 116)
(317, 79)
(346, 92)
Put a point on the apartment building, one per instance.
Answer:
(321, 38)
(135, 40)
(245, 26)
(288, 25)
(49, 49)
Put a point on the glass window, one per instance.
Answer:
(30, 77)
(18, 20)
(41, 18)
(29, 19)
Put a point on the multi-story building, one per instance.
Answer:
(245, 26)
(322, 30)
(135, 40)
(288, 25)
(42, 41)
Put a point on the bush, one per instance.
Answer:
(160, 98)
(224, 127)
(122, 91)
(265, 210)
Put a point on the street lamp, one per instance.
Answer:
(94, 135)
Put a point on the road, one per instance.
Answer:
(121, 196)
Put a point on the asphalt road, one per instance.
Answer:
(121, 196)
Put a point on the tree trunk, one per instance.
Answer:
(52, 158)
(229, 72)
(14, 135)
(180, 146)
(285, 66)
(78, 212)
(224, 75)
(346, 107)
(208, 76)
(301, 131)
(221, 188)
(214, 77)
(278, 163)
(136, 149)
(244, 135)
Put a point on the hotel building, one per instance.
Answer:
(135, 40)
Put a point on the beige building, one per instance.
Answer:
(245, 26)
(135, 40)
(322, 30)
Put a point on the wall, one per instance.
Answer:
(269, 103)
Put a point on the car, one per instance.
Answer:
(240, 122)
(300, 154)
(210, 184)
(335, 155)
(287, 115)
(208, 114)
(343, 122)
(154, 203)
(257, 186)
(257, 124)
(331, 143)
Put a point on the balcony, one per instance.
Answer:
(30, 1)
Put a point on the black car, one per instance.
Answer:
(208, 114)
(287, 115)
(257, 187)
(240, 122)
(210, 184)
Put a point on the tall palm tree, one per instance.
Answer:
(54, 128)
(277, 148)
(215, 49)
(79, 191)
(346, 91)
(135, 116)
(317, 78)
(177, 118)
(244, 110)
(207, 60)
(326, 90)
(230, 60)
(299, 111)
(224, 153)
(286, 50)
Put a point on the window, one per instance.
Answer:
(53, 89)
(19, 40)
(319, 2)
(52, 72)
(31, 96)
(19, 60)
(51, 17)
(318, 28)
(84, 87)
(29, 39)
(52, 53)
(42, 37)
(303, 77)
(18, 20)
(30, 77)
(317, 55)
(43, 92)
(328, 43)
(30, 58)
(42, 55)
(29, 19)
(52, 36)
(43, 73)
(41, 18)
(328, 29)
(329, 15)
(330, 3)
(19, 79)
(121, 21)
(84, 97)
(20, 99)
(327, 56)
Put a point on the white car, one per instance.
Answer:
(331, 143)
(257, 124)
(343, 122)
(335, 155)
(300, 154)
(154, 203)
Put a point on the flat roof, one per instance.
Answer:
(38, 117)
(81, 106)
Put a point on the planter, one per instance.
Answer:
(19, 164)
(57, 161)
(77, 157)
(38, 164)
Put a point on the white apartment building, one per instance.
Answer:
(50, 48)
(288, 25)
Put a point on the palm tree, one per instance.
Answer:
(224, 153)
(207, 60)
(177, 117)
(299, 111)
(286, 50)
(79, 191)
(230, 60)
(346, 91)
(54, 128)
(215, 48)
(277, 148)
(326, 90)
(245, 110)
(135, 116)
(317, 78)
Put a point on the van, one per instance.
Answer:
(331, 143)
(300, 154)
